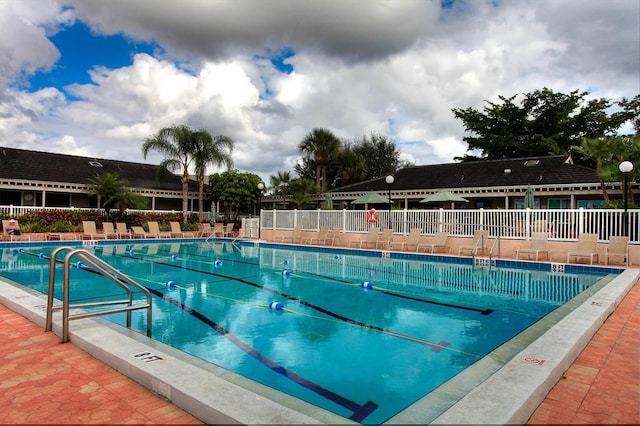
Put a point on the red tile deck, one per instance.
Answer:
(44, 381)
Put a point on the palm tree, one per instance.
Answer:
(323, 145)
(107, 187)
(177, 144)
(209, 150)
(302, 191)
(279, 183)
(599, 150)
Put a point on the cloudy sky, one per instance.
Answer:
(95, 77)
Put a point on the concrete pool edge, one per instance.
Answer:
(519, 387)
(203, 394)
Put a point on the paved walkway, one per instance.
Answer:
(43, 381)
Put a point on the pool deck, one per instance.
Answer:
(43, 381)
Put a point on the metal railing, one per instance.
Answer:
(561, 225)
(104, 269)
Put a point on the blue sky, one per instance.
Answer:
(266, 76)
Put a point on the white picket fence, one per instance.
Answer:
(561, 225)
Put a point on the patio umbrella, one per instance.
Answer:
(528, 198)
(444, 197)
(371, 198)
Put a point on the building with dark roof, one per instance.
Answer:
(556, 181)
(43, 179)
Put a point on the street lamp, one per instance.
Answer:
(389, 179)
(625, 167)
(260, 188)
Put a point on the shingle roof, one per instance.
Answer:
(45, 166)
(552, 170)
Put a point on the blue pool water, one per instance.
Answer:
(363, 353)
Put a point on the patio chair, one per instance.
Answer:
(109, 230)
(479, 245)
(294, 238)
(537, 247)
(587, 248)
(385, 239)
(12, 237)
(177, 232)
(123, 232)
(618, 247)
(204, 230)
(318, 238)
(410, 242)
(155, 232)
(371, 239)
(437, 245)
(218, 230)
(333, 238)
(90, 232)
(139, 232)
(228, 230)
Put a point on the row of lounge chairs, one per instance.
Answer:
(325, 236)
(121, 231)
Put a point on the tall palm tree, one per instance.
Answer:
(599, 150)
(177, 145)
(323, 145)
(107, 187)
(279, 183)
(209, 150)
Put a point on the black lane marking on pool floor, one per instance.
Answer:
(360, 412)
(436, 347)
(487, 311)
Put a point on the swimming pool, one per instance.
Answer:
(363, 353)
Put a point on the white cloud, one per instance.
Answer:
(396, 68)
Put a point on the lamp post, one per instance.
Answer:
(260, 188)
(625, 167)
(389, 179)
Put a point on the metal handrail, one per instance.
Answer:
(496, 241)
(107, 271)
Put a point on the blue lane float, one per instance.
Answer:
(286, 273)
(42, 256)
(80, 264)
(132, 252)
(367, 285)
(174, 257)
(337, 257)
(285, 262)
(217, 263)
(276, 306)
(20, 250)
(171, 284)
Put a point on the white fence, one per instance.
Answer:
(562, 225)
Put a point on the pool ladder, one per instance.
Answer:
(104, 269)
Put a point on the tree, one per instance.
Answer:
(321, 145)
(177, 144)
(302, 191)
(279, 184)
(598, 150)
(379, 154)
(114, 191)
(545, 123)
(350, 167)
(107, 187)
(235, 192)
(209, 150)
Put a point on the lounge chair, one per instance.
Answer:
(411, 240)
(139, 232)
(385, 239)
(370, 241)
(618, 248)
(319, 238)
(123, 232)
(11, 237)
(228, 230)
(109, 230)
(479, 245)
(204, 229)
(587, 248)
(437, 245)
(537, 247)
(155, 232)
(218, 230)
(90, 232)
(177, 232)
(294, 238)
(333, 238)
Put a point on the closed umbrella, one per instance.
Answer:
(528, 198)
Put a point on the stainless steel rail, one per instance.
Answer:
(107, 271)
